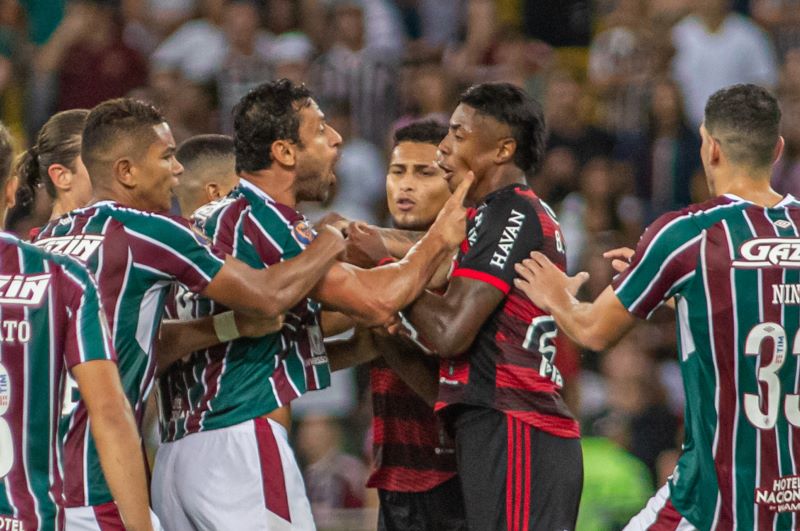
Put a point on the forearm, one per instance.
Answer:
(179, 338)
(398, 241)
(591, 325)
(344, 353)
(335, 323)
(417, 371)
(433, 320)
(117, 441)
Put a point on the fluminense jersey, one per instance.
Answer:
(734, 270)
(511, 364)
(136, 257)
(50, 321)
(248, 377)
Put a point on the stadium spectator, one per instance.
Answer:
(715, 47)
(786, 171)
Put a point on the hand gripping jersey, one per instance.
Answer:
(136, 257)
(50, 321)
(734, 270)
(248, 377)
(510, 365)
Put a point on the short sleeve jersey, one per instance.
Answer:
(51, 320)
(511, 364)
(733, 268)
(136, 256)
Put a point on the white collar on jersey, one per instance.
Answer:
(788, 198)
(256, 190)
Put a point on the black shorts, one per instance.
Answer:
(438, 509)
(514, 476)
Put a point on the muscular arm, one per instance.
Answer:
(117, 439)
(398, 241)
(268, 293)
(344, 353)
(419, 372)
(335, 323)
(450, 323)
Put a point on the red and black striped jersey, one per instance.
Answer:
(412, 453)
(510, 365)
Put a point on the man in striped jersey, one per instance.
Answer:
(51, 321)
(137, 254)
(517, 447)
(228, 407)
(733, 266)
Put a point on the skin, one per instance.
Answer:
(479, 146)
(113, 426)
(207, 180)
(73, 188)
(600, 324)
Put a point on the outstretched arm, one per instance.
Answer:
(116, 438)
(596, 325)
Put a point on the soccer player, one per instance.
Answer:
(518, 452)
(414, 468)
(229, 408)
(137, 254)
(732, 265)
(52, 322)
(209, 171)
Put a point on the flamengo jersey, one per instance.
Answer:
(136, 257)
(248, 377)
(510, 365)
(50, 320)
(412, 453)
(734, 270)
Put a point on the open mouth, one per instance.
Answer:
(405, 204)
(448, 171)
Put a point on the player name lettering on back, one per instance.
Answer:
(507, 239)
(23, 289)
(11, 524)
(769, 252)
(80, 246)
(786, 294)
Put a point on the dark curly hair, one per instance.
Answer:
(266, 114)
(424, 132)
(512, 106)
(111, 123)
(745, 119)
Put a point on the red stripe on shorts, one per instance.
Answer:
(274, 482)
(509, 471)
(107, 517)
(668, 519)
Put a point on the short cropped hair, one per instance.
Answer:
(112, 122)
(6, 154)
(512, 106)
(267, 113)
(745, 119)
(201, 148)
(424, 132)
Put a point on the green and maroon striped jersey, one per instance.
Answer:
(50, 321)
(734, 270)
(136, 257)
(246, 378)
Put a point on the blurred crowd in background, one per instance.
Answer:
(623, 84)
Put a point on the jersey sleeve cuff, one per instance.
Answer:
(483, 277)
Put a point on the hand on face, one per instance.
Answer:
(451, 222)
(544, 283)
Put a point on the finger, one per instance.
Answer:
(619, 265)
(524, 272)
(521, 284)
(463, 187)
(581, 278)
(540, 259)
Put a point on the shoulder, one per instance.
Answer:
(211, 213)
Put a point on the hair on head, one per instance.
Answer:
(745, 120)
(424, 132)
(266, 114)
(201, 148)
(510, 105)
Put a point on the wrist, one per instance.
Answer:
(225, 327)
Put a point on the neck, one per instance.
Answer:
(63, 204)
(503, 176)
(750, 185)
(714, 22)
(276, 183)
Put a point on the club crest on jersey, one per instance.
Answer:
(302, 233)
(79, 246)
(23, 290)
(769, 252)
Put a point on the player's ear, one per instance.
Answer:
(714, 151)
(212, 191)
(60, 175)
(124, 172)
(779, 145)
(506, 147)
(10, 192)
(284, 153)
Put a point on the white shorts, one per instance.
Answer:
(659, 513)
(242, 478)
(103, 517)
